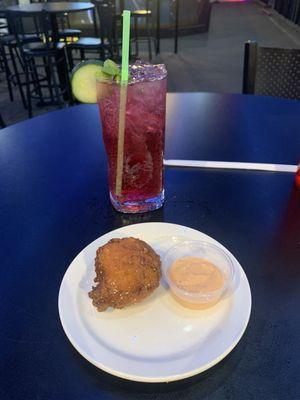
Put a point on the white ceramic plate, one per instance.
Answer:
(157, 340)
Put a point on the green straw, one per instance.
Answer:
(123, 99)
(125, 46)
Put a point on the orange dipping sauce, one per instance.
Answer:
(196, 276)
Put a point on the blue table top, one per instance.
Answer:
(200, 126)
(54, 201)
(233, 128)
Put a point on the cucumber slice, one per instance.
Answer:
(83, 80)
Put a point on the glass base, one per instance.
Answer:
(134, 207)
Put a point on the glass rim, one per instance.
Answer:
(129, 83)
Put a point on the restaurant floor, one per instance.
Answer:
(209, 62)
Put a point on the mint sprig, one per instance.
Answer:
(112, 69)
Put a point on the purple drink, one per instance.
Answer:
(142, 175)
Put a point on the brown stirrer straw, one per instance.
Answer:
(123, 98)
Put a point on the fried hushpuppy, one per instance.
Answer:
(127, 271)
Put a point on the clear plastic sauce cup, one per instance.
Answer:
(198, 273)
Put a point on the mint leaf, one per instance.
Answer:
(102, 76)
(111, 68)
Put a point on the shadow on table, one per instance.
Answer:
(205, 383)
(130, 219)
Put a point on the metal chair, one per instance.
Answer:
(44, 62)
(11, 58)
(271, 71)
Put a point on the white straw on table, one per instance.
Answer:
(231, 165)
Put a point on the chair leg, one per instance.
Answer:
(55, 81)
(82, 55)
(28, 94)
(2, 124)
(18, 56)
(1, 61)
(136, 36)
(95, 22)
(7, 72)
(68, 21)
(16, 73)
(48, 77)
(148, 38)
(115, 40)
(62, 19)
(70, 57)
(68, 86)
(102, 52)
(112, 53)
(249, 74)
(36, 81)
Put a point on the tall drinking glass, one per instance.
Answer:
(141, 186)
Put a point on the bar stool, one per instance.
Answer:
(106, 41)
(44, 62)
(65, 30)
(146, 15)
(12, 61)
